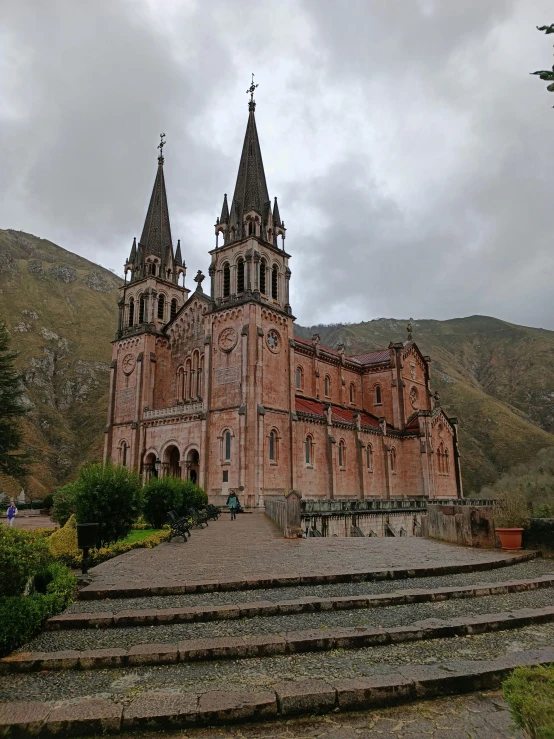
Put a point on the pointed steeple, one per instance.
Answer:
(178, 257)
(133, 253)
(251, 188)
(276, 214)
(224, 217)
(156, 234)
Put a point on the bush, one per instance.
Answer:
(120, 547)
(530, 694)
(48, 501)
(170, 493)
(110, 496)
(21, 556)
(160, 496)
(511, 511)
(63, 543)
(22, 617)
(64, 503)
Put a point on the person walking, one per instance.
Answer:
(12, 513)
(232, 504)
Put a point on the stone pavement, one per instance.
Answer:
(252, 547)
(30, 523)
(474, 716)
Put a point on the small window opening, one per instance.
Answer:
(263, 268)
(240, 276)
(227, 445)
(369, 457)
(161, 307)
(342, 454)
(131, 312)
(327, 386)
(142, 307)
(298, 378)
(272, 446)
(352, 392)
(393, 460)
(226, 281)
(225, 475)
(173, 308)
(308, 449)
(274, 282)
(378, 397)
(124, 454)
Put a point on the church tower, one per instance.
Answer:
(148, 300)
(251, 332)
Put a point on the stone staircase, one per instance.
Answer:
(204, 652)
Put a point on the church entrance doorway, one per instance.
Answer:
(172, 458)
(193, 465)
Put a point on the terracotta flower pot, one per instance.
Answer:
(510, 538)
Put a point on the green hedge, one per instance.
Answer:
(22, 555)
(120, 547)
(530, 694)
(21, 617)
(161, 495)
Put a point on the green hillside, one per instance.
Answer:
(496, 377)
(61, 312)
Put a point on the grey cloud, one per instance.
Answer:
(410, 149)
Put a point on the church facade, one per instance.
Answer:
(215, 386)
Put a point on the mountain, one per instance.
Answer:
(61, 311)
(496, 377)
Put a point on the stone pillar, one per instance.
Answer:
(293, 528)
(212, 273)
(108, 431)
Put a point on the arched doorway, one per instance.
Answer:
(149, 466)
(193, 465)
(172, 457)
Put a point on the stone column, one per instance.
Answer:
(108, 431)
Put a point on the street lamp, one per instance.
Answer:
(157, 465)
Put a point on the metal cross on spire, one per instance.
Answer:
(161, 145)
(252, 102)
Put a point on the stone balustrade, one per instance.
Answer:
(174, 410)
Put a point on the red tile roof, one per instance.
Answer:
(378, 357)
(309, 406)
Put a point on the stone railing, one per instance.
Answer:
(174, 410)
(341, 507)
(285, 513)
(276, 511)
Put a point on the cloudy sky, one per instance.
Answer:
(411, 152)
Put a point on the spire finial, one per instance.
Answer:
(161, 148)
(251, 102)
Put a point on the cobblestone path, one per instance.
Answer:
(252, 547)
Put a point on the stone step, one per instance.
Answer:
(166, 710)
(264, 645)
(95, 592)
(309, 604)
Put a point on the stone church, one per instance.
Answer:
(215, 386)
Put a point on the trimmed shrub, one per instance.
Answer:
(120, 547)
(21, 557)
(63, 543)
(193, 496)
(64, 503)
(110, 496)
(160, 496)
(22, 617)
(530, 695)
(48, 501)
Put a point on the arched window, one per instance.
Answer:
(299, 378)
(393, 460)
(181, 383)
(131, 312)
(173, 308)
(378, 396)
(186, 379)
(200, 377)
(309, 450)
(161, 307)
(153, 269)
(273, 445)
(369, 457)
(342, 454)
(124, 454)
(142, 308)
(327, 384)
(226, 280)
(446, 463)
(274, 282)
(263, 268)
(240, 276)
(227, 445)
(251, 228)
(352, 392)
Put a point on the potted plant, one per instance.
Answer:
(510, 516)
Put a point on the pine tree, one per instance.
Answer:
(13, 462)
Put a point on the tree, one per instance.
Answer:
(13, 462)
(544, 74)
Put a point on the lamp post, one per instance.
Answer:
(87, 538)
(157, 466)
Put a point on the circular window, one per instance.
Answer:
(273, 341)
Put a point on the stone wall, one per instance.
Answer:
(465, 522)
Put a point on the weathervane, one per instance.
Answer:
(252, 103)
(161, 145)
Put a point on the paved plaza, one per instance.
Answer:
(253, 547)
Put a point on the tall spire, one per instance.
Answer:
(251, 188)
(156, 234)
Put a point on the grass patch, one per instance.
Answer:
(139, 535)
(530, 695)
